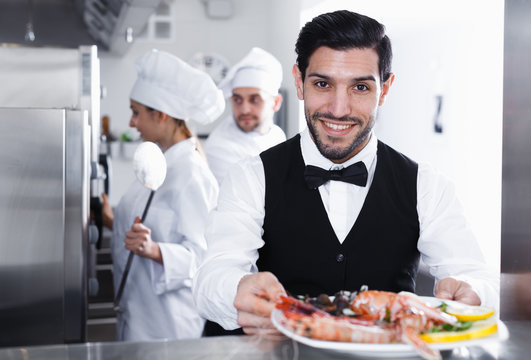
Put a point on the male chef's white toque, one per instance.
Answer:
(258, 69)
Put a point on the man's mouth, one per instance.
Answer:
(337, 127)
(246, 118)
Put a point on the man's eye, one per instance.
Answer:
(361, 87)
(255, 100)
(237, 100)
(321, 84)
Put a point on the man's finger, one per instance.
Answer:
(246, 319)
(443, 294)
(270, 334)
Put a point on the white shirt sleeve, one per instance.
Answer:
(234, 235)
(447, 243)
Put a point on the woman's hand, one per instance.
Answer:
(138, 240)
(107, 216)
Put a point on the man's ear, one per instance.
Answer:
(297, 75)
(277, 102)
(385, 88)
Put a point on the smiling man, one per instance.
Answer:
(252, 86)
(334, 208)
(342, 91)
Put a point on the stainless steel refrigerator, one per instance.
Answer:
(516, 190)
(49, 138)
(44, 192)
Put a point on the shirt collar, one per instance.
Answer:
(312, 156)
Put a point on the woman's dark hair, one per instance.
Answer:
(344, 30)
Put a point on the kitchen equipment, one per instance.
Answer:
(44, 187)
(150, 169)
(49, 153)
(516, 186)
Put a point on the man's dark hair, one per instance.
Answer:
(344, 30)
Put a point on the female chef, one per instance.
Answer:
(157, 299)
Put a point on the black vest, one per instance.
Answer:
(301, 248)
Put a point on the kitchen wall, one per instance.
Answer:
(270, 24)
(441, 49)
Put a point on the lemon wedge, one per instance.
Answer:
(470, 313)
(478, 330)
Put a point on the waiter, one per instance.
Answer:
(252, 86)
(334, 208)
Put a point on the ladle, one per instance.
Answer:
(150, 169)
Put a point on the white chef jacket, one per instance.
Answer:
(446, 243)
(157, 299)
(228, 145)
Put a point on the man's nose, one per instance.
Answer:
(246, 106)
(339, 104)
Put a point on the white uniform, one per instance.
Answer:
(228, 145)
(157, 299)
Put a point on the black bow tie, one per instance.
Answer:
(354, 174)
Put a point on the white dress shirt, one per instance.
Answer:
(446, 243)
(228, 145)
(157, 299)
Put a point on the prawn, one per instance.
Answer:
(307, 320)
(407, 311)
(381, 317)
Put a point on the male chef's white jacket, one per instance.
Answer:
(157, 299)
(228, 145)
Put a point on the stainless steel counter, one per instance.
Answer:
(518, 346)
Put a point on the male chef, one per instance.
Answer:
(334, 208)
(252, 86)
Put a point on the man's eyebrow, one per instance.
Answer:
(361, 78)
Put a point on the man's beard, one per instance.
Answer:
(262, 126)
(255, 126)
(336, 153)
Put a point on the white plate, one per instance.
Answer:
(386, 350)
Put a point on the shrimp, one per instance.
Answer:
(407, 311)
(382, 317)
(330, 329)
(309, 321)
(390, 306)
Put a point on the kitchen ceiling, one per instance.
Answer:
(110, 24)
(54, 22)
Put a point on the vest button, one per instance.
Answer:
(340, 258)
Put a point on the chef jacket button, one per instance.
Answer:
(340, 258)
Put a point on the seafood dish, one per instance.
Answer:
(381, 317)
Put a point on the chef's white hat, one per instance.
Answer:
(168, 84)
(258, 69)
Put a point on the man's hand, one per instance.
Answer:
(139, 241)
(452, 289)
(255, 299)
